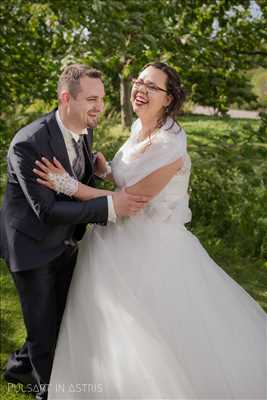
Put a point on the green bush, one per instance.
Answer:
(229, 198)
(10, 122)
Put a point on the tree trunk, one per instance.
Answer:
(126, 108)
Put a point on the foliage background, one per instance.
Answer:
(218, 47)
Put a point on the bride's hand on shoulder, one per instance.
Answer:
(46, 170)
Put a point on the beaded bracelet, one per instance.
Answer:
(63, 183)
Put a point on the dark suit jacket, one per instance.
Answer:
(35, 222)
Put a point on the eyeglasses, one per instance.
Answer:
(150, 87)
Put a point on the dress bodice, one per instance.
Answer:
(135, 160)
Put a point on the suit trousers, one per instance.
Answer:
(43, 293)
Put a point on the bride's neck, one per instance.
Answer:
(148, 126)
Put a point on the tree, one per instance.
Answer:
(210, 44)
(31, 48)
(119, 37)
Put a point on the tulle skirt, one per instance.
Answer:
(151, 316)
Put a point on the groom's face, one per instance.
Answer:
(85, 108)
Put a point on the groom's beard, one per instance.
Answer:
(92, 118)
(92, 122)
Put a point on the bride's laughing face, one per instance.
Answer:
(149, 95)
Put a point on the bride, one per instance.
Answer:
(149, 314)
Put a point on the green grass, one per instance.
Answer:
(259, 83)
(12, 329)
(199, 128)
(250, 273)
(203, 129)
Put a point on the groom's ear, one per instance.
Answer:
(64, 97)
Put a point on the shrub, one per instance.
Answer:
(229, 198)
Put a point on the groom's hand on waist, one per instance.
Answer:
(126, 205)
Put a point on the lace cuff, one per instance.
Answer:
(64, 183)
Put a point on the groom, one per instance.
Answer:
(39, 229)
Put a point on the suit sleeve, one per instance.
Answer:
(44, 202)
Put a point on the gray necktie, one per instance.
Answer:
(78, 164)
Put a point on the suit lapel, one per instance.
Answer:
(88, 150)
(59, 150)
(57, 142)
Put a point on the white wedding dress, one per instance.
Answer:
(149, 313)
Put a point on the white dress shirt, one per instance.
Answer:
(68, 135)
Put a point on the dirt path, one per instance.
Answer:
(231, 113)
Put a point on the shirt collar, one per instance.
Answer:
(75, 136)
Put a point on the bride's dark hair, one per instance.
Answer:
(174, 89)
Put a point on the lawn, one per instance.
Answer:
(249, 271)
(12, 330)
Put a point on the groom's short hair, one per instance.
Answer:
(71, 75)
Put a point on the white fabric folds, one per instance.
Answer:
(168, 144)
(149, 314)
